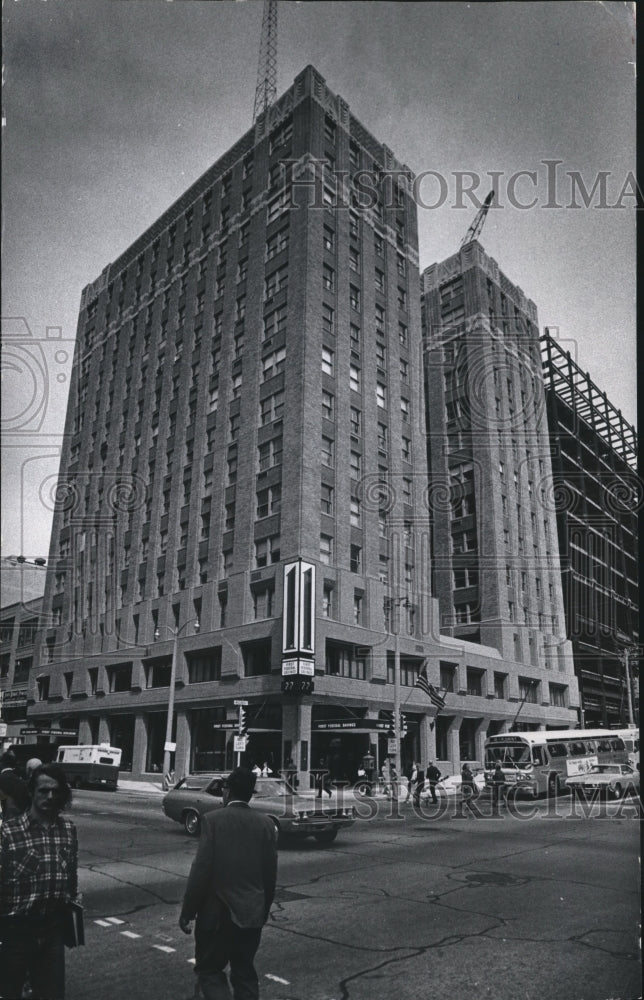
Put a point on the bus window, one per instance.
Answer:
(557, 750)
(591, 747)
(577, 748)
(617, 744)
(538, 755)
(603, 746)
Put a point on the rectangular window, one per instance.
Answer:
(447, 677)
(327, 451)
(357, 608)
(269, 454)
(381, 395)
(275, 282)
(269, 501)
(275, 322)
(328, 405)
(326, 549)
(355, 465)
(328, 319)
(327, 601)
(404, 409)
(204, 667)
(403, 335)
(326, 499)
(383, 442)
(328, 277)
(354, 297)
(381, 354)
(263, 603)
(271, 408)
(327, 361)
(277, 243)
(500, 681)
(354, 378)
(380, 280)
(273, 364)
(406, 449)
(267, 550)
(328, 239)
(355, 516)
(355, 420)
(343, 660)
(355, 558)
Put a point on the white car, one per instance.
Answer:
(611, 779)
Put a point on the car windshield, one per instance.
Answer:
(273, 787)
(605, 769)
(509, 755)
(194, 783)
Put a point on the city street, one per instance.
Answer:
(541, 907)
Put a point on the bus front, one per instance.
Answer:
(513, 753)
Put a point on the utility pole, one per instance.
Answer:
(266, 89)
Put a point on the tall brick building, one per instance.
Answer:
(245, 446)
(495, 558)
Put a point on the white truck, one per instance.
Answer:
(91, 765)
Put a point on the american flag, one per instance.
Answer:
(421, 682)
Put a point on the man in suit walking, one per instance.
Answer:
(230, 890)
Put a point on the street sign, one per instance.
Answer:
(240, 744)
(225, 725)
(391, 745)
(169, 747)
(240, 701)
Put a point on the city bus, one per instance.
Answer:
(539, 762)
(90, 765)
(631, 737)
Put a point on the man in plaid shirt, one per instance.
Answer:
(38, 877)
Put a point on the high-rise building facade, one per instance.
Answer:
(596, 494)
(245, 448)
(495, 558)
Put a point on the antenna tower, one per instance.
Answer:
(266, 90)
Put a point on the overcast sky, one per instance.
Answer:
(113, 108)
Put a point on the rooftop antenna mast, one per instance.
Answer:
(266, 90)
(476, 227)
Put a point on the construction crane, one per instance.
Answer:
(266, 90)
(477, 225)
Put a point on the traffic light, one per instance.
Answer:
(243, 724)
(403, 723)
(297, 685)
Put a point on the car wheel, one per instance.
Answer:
(192, 823)
(326, 836)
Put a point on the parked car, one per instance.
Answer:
(293, 815)
(611, 779)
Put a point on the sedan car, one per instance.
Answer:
(611, 779)
(293, 815)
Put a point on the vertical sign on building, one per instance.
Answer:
(298, 628)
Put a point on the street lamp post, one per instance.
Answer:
(396, 603)
(175, 632)
(625, 657)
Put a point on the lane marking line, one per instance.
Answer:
(163, 947)
(276, 979)
(130, 934)
(102, 923)
(114, 920)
